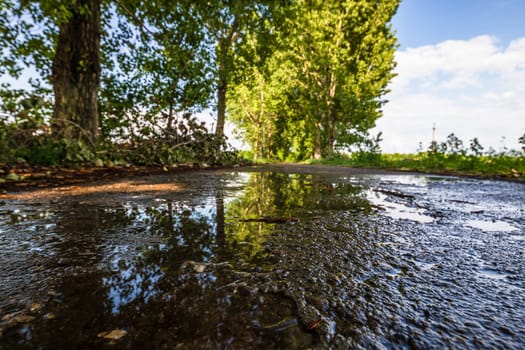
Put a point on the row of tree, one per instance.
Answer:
(454, 145)
(299, 78)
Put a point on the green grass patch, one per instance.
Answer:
(497, 165)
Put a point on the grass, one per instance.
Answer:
(490, 166)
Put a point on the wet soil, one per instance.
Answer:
(212, 259)
(31, 177)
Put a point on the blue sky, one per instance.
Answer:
(423, 22)
(461, 65)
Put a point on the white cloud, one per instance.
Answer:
(473, 88)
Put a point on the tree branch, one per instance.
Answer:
(137, 20)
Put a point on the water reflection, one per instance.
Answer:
(108, 264)
(491, 226)
(398, 210)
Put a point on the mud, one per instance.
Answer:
(191, 260)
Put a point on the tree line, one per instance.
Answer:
(298, 78)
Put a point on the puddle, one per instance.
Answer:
(397, 210)
(264, 260)
(492, 274)
(491, 226)
(424, 266)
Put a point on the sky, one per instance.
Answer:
(460, 66)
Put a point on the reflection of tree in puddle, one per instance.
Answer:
(215, 232)
(183, 289)
(168, 271)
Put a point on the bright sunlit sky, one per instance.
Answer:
(461, 65)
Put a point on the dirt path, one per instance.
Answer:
(31, 178)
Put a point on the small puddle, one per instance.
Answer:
(491, 226)
(396, 210)
(492, 274)
(424, 266)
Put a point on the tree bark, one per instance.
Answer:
(224, 45)
(76, 72)
(221, 101)
(318, 142)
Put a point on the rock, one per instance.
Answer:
(199, 268)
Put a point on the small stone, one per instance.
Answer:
(199, 268)
(49, 316)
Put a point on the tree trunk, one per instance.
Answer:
(224, 45)
(318, 142)
(330, 141)
(221, 102)
(330, 116)
(76, 72)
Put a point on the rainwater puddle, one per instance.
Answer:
(269, 260)
(492, 274)
(424, 266)
(491, 226)
(397, 210)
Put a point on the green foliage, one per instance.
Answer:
(321, 86)
(157, 68)
(187, 142)
(23, 117)
(302, 79)
(451, 157)
(522, 141)
(156, 73)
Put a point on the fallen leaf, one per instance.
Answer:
(12, 177)
(115, 334)
(23, 319)
(313, 325)
(35, 307)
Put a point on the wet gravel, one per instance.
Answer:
(385, 261)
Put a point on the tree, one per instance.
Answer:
(344, 51)
(255, 90)
(475, 147)
(61, 40)
(76, 70)
(162, 69)
(227, 22)
(332, 65)
(454, 144)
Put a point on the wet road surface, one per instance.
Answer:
(252, 259)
